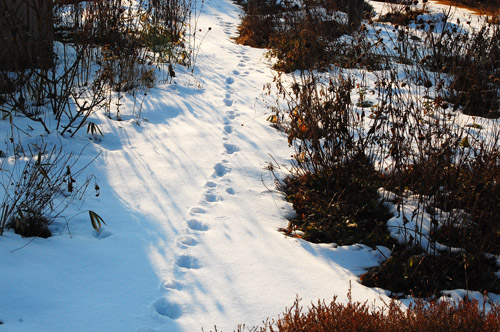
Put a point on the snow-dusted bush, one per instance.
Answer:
(38, 185)
(407, 133)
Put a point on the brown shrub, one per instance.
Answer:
(440, 316)
(258, 23)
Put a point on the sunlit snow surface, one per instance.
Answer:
(192, 214)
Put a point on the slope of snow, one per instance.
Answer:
(192, 214)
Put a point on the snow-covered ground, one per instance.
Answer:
(192, 213)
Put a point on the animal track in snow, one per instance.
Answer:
(229, 80)
(187, 241)
(232, 115)
(197, 210)
(165, 308)
(197, 225)
(230, 191)
(210, 184)
(228, 129)
(212, 198)
(171, 284)
(230, 148)
(227, 26)
(235, 72)
(221, 169)
(228, 101)
(187, 262)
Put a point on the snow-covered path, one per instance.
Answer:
(192, 236)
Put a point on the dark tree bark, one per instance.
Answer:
(26, 34)
(355, 14)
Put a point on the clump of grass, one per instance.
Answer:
(38, 187)
(333, 183)
(425, 275)
(300, 35)
(339, 205)
(403, 14)
(360, 317)
(302, 39)
(258, 23)
(477, 93)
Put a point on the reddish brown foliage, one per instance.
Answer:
(358, 317)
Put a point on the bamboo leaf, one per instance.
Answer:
(39, 158)
(96, 221)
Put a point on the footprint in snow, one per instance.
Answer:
(212, 198)
(197, 225)
(235, 72)
(228, 129)
(232, 115)
(186, 241)
(221, 169)
(230, 191)
(198, 210)
(229, 80)
(230, 148)
(187, 262)
(163, 307)
(210, 184)
(171, 284)
(228, 101)
(226, 24)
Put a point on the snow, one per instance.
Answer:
(191, 210)
(192, 215)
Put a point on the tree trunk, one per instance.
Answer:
(355, 14)
(26, 34)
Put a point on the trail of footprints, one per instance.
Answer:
(215, 189)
